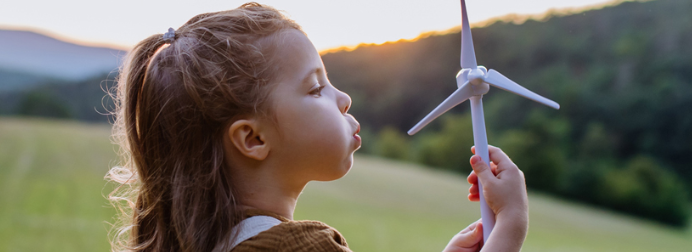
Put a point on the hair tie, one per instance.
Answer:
(169, 36)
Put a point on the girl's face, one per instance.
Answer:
(315, 136)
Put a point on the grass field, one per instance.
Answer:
(52, 188)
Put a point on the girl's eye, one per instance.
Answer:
(317, 91)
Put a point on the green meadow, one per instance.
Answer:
(52, 199)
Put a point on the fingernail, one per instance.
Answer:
(474, 159)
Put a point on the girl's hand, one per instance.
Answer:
(504, 190)
(503, 183)
(468, 240)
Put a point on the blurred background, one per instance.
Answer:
(609, 171)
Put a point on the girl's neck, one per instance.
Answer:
(270, 194)
(278, 204)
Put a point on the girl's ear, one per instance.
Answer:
(246, 137)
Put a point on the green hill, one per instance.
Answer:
(621, 138)
(51, 177)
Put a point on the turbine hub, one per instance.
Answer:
(477, 75)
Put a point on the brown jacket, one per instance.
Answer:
(290, 236)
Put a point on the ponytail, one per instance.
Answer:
(135, 72)
(125, 132)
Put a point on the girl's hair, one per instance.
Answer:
(173, 105)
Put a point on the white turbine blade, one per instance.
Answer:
(460, 95)
(496, 79)
(468, 55)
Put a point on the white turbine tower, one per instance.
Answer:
(473, 82)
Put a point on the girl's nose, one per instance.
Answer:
(343, 101)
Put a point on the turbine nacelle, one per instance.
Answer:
(475, 77)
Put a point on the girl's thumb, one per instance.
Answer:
(481, 169)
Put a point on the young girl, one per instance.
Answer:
(223, 122)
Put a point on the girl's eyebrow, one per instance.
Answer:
(316, 70)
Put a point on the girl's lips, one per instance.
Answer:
(357, 137)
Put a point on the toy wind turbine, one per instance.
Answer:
(473, 82)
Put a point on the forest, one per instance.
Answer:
(622, 75)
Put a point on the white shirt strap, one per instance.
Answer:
(253, 226)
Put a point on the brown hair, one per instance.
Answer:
(173, 104)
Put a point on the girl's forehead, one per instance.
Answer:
(292, 43)
(294, 55)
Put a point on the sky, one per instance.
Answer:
(328, 23)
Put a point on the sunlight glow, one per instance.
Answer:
(329, 24)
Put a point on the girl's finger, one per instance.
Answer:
(479, 231)
(469, 228)
(493, 166)
(473, 189)
(472, 178)
(498, 156)
(481, 169)
(468, 239)
(474, 197)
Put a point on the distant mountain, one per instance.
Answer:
(27, 57)
(18, 80)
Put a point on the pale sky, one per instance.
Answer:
(328, 23)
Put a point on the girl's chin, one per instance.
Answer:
(349, 164)
(340, 172)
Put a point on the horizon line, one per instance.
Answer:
(517, 19)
